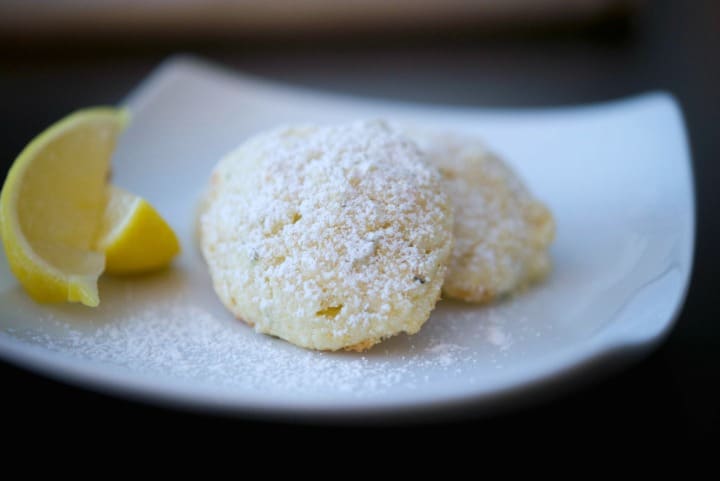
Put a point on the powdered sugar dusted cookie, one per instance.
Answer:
(502, 233)
(331, 237)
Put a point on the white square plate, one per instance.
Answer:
(617, 177)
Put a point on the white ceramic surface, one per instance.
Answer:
(617, 176)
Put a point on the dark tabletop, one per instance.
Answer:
(658, 416)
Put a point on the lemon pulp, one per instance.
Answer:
(133, 235)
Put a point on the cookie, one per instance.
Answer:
(330, 237)
(502, 233)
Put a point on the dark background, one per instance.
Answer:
(658, 417)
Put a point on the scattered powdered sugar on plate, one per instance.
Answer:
(174, 339)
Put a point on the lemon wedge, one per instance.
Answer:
(133, 236)
(52, 204)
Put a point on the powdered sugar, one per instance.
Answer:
(498, 338)
(168, 334)
(175, 339)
